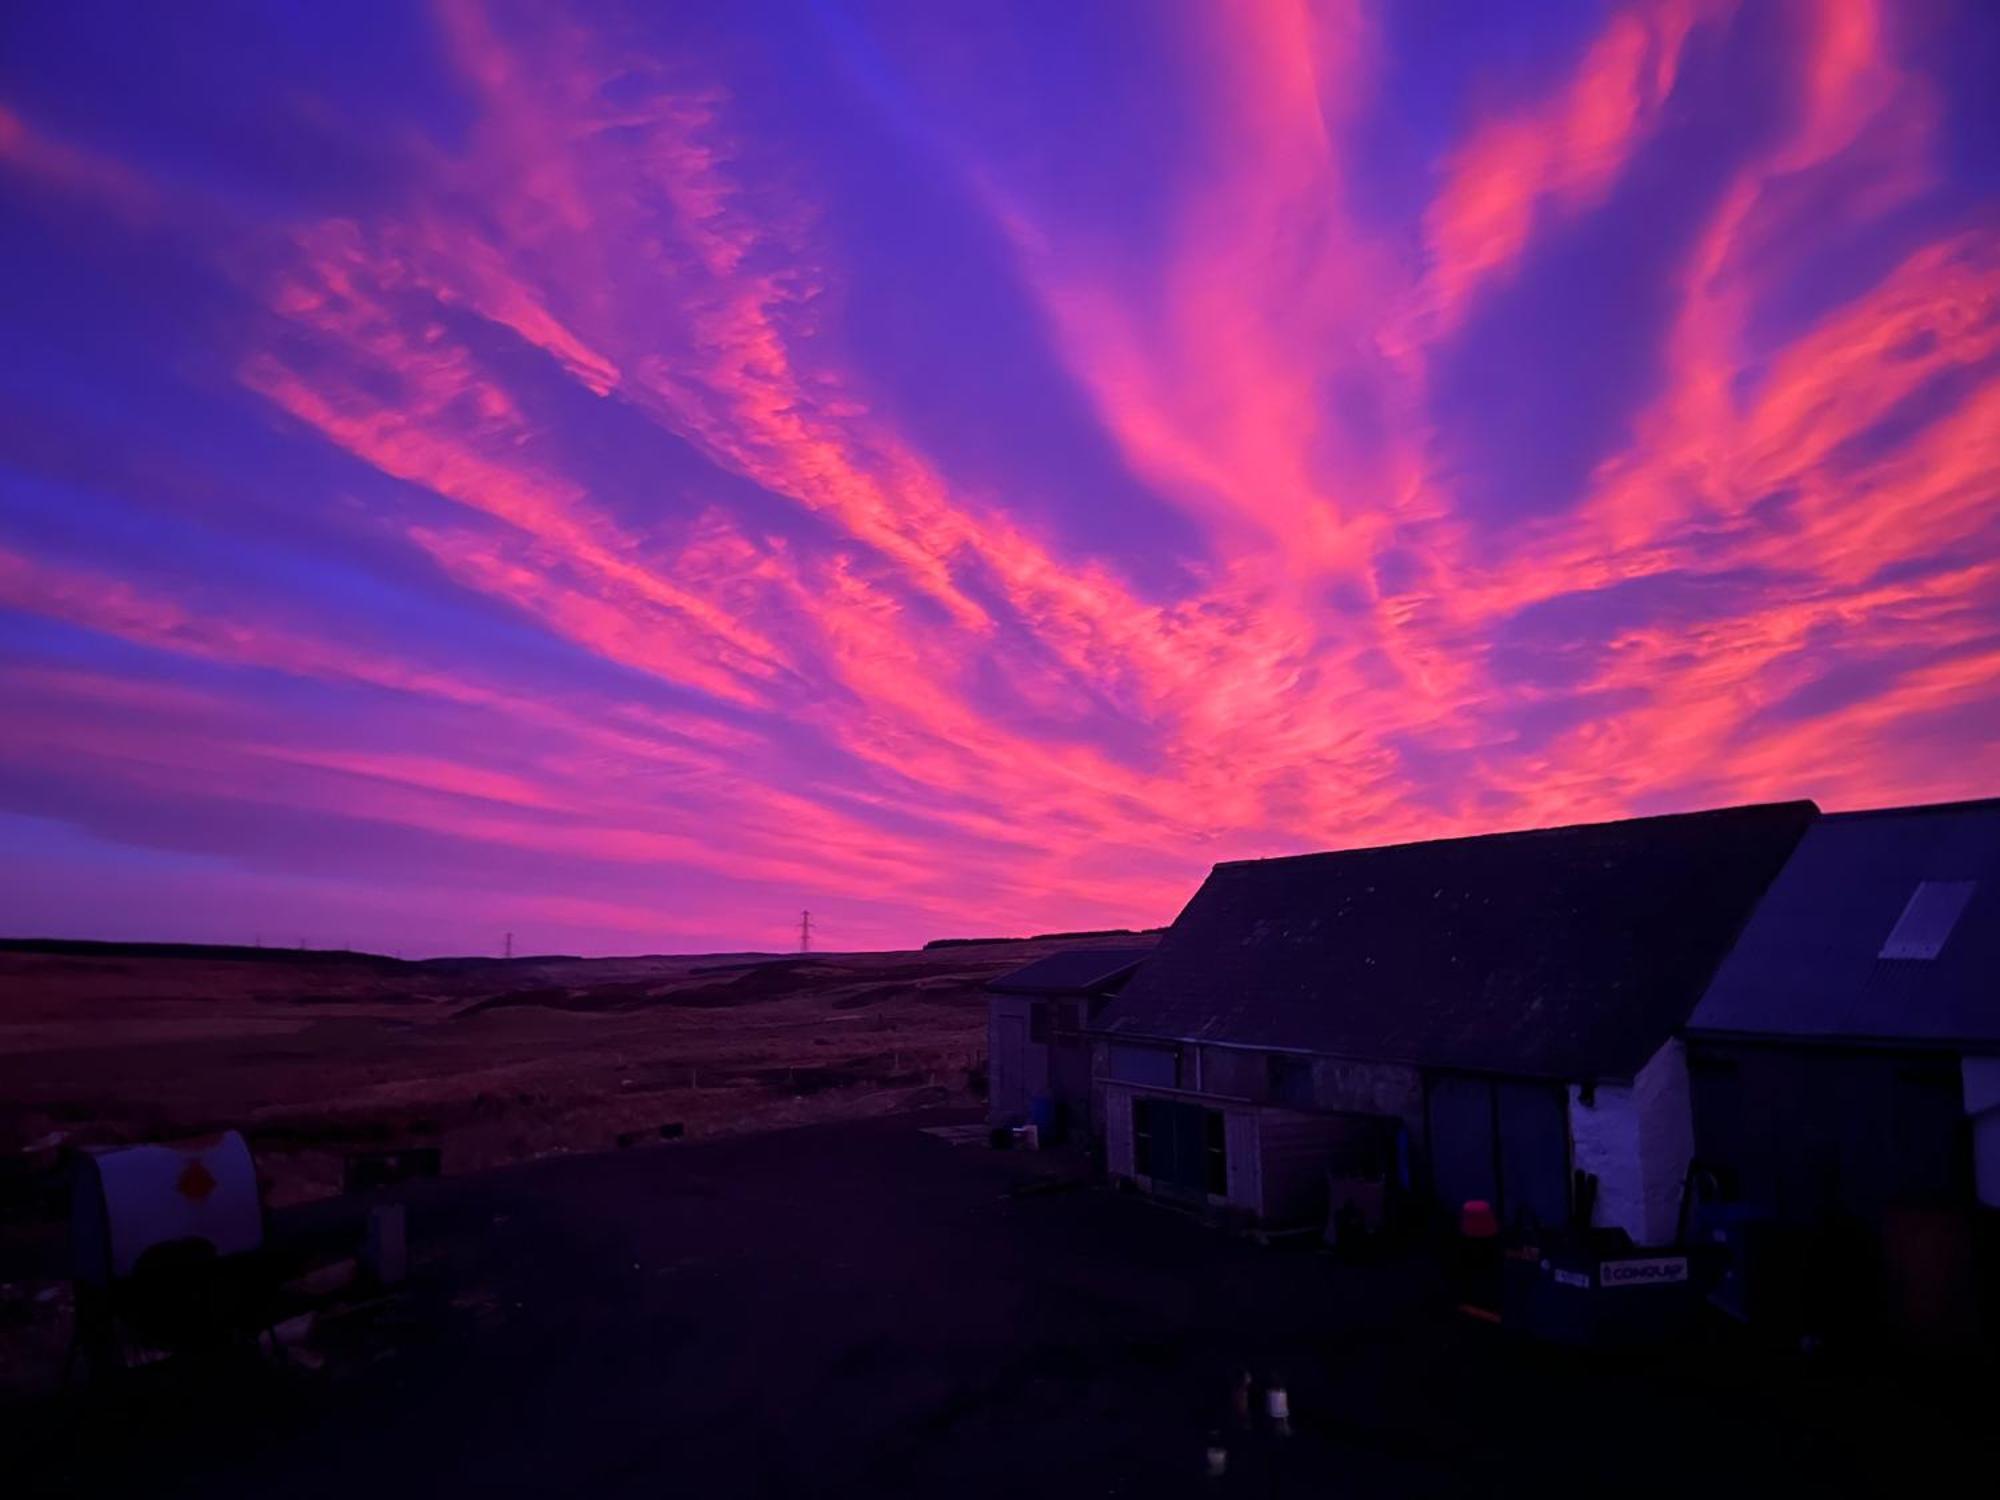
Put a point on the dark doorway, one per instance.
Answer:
(1180, 1145)
(1464, 1164)
(1809, 1136)
(1501, 1140)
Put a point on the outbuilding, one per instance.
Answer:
(1846, 1063)
(1491, 1018)
(1036, 1042)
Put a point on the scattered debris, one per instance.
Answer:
(294, 1330)
(673, 1131)
(1278, 1406)
(366, 1170)
(1239, 1399)
(324, 1281)
(956, 1135)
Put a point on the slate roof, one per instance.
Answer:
(1557, 953)
(1809, 964)
(1077, 971)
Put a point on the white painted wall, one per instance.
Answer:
(1666, 1140)
(1604, 1141)
(1637, 1139)
(1982, 1104)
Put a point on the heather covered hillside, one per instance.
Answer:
(317, 1055)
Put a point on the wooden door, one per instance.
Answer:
(1008, 1081)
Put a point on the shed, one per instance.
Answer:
(1036, 1019)
(1510, 1001)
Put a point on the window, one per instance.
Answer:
(1180, 1146)
(1926, 923)
(1288, 1079)
(1038, 1021)
(1158, 1066)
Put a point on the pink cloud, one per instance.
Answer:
(1555, 159)
(74, 171)
(818, 665)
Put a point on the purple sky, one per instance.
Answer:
(623, 476)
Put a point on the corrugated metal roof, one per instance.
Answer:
(1834, 952)
(1078, 971)
(1558, 953)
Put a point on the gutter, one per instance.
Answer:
(1143, 1039)
(1849, 1042)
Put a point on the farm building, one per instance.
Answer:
(1486, 1018)
(1846, 1059)
(1036, 1046)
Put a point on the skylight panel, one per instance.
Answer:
(1926, 923)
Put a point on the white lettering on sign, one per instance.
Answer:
(1657, 1272)
(1572, 1278)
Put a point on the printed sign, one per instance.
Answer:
(1655, 1272)
(1572, 1278)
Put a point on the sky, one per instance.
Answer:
(625, 474)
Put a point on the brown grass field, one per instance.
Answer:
(321, 1055)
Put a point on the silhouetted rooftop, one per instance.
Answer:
(1080, 971)
(1562, 952)
(1883, 926)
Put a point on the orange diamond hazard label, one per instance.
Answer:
(195, 1181)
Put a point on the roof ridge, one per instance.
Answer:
(1503, 834)
(1915, 809)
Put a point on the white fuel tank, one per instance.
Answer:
(128, 1199)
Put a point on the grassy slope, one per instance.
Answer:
(316, 1055)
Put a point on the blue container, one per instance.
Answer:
(1042, 1114)
(1634, 1298)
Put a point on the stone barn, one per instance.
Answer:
(1493, 1017)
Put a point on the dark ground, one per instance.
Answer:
(862, 1309)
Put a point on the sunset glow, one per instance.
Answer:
(621, 477)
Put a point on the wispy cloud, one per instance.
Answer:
(635, 554)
